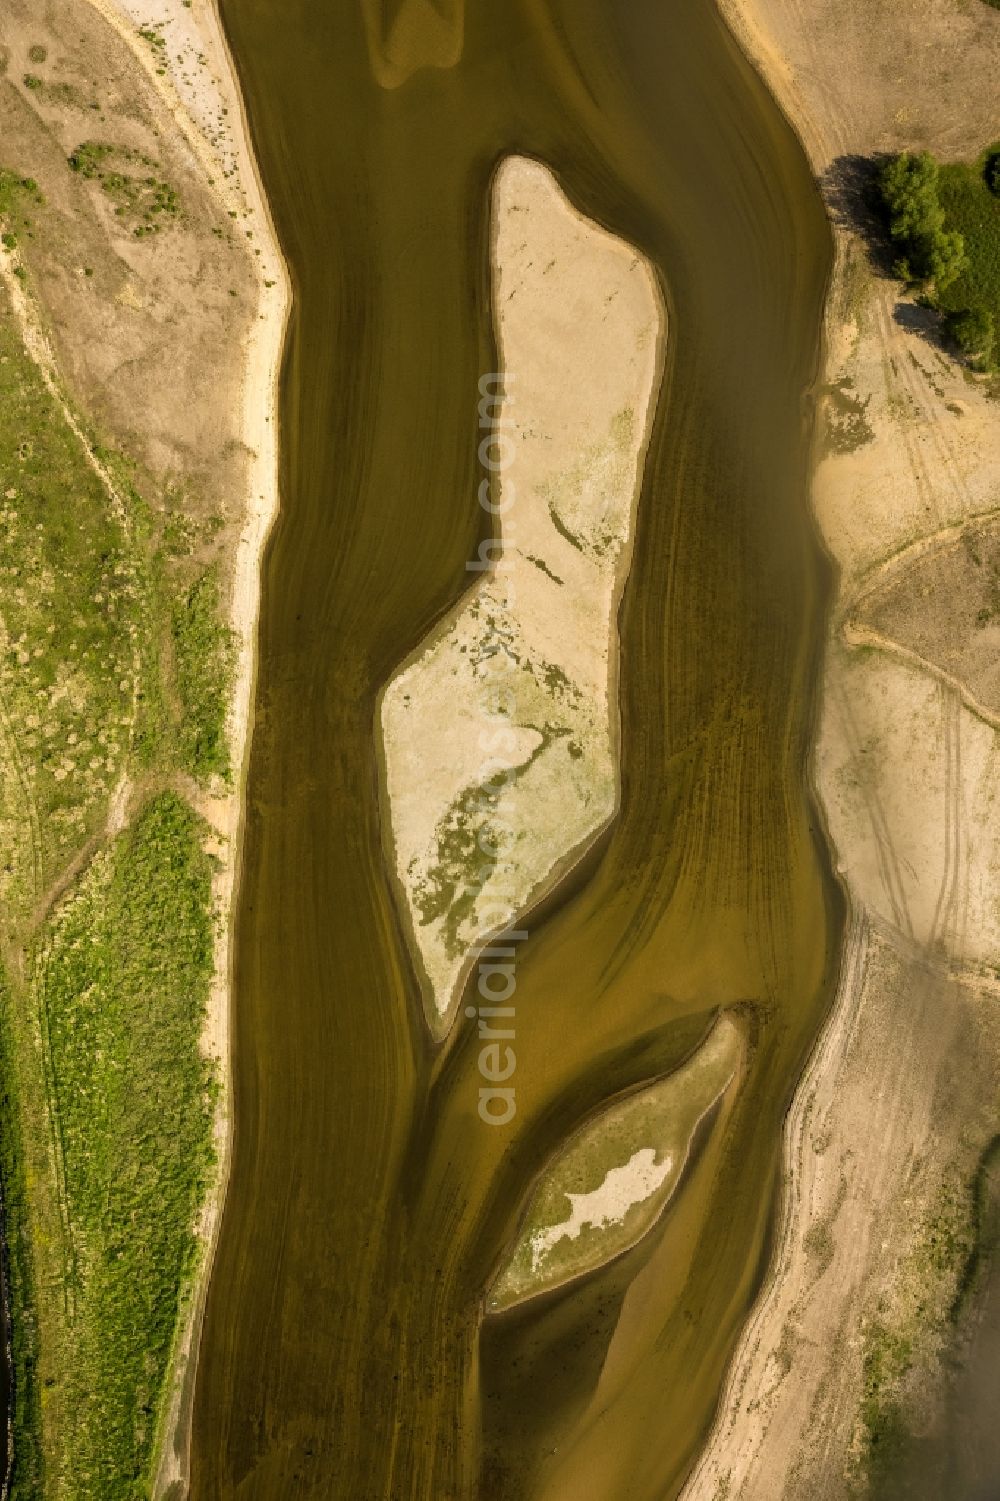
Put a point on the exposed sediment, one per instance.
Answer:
(606, 1189)
(501, 735)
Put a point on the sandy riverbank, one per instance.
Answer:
(194, 76)
(906, 771)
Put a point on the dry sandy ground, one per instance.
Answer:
(171, 343)
(900, 1097)
(500, 734)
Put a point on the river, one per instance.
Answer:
(344, 1352)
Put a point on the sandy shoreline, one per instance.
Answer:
(195, 99)
(891, 767)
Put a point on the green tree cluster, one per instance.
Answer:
(928, 251)
(944, 222)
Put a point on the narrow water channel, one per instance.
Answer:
(344, 1353)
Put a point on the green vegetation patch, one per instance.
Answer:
(16, 192)
(944, 221)
(886, 1360)
(74, 596)
(204, 662)
(472, 839)
(113, 666)
(121, 979)
(972, 301)
(139, 196)
(463, 837)
(847, 426)
(14, 189)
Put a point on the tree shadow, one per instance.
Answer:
(851, 194)
(925, 322)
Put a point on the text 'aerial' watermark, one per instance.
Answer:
(496, 977)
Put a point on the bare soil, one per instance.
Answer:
(148, 330)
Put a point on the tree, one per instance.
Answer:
(909, 191)
(928, 251)
(945, 258)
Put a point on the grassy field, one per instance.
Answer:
(21, 1224)
(107, 1110)
(204, 663)
(74, 598)
(115, 670)
(119, 979)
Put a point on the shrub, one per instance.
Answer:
(135, 195)
(87, 158)
(974, 331)
(909, 191)
(13, 187)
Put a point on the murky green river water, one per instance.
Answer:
(344, 1350)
